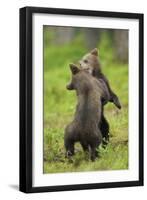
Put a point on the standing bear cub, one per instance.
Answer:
(90, 62)
(85, 126)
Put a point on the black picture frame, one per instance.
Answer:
(26, 119)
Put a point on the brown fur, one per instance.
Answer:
(85, 126)
(90, 62)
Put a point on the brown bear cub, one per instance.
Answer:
(85, 126)
(90, 62)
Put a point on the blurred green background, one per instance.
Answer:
(64, 45)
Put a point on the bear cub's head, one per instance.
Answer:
(81, 80)
(90, 62)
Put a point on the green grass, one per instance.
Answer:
(59, 108)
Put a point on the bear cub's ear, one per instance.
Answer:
(94, 52)
(74, 69)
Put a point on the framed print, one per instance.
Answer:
(81, 99)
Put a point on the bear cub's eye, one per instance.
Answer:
(85, 61)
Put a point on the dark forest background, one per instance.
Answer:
(91, 38)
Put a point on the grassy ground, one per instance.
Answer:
(59, 108)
